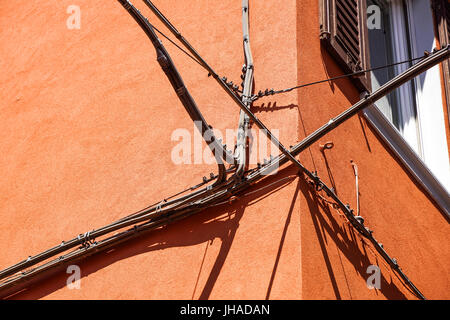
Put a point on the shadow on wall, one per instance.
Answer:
(223, 221)
(220, 222)
(271, 107)
(329, 232)
(345, 86)
(326, 227)
(351, 93)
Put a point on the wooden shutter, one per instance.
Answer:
(343, 32)
(441, 10)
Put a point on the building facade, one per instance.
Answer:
(93, 131)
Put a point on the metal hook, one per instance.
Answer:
(326, 145)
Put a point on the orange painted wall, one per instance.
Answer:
(87, 117)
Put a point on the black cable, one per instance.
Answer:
(272, 92)
(254, 175)
(176, 45)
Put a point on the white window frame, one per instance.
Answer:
(414, 165)
(425, 136)
(405, 99)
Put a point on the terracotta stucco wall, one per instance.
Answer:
(87, 117)
(410, 227)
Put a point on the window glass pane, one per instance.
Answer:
(380, 46)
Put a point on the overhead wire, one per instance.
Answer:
(271, 92)
(191, 205)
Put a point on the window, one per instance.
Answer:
(442, 16)
(389, 41)
(406, 30)
(411, 119)
(343, 33)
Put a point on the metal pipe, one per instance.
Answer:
(355, 171)
(415, 70)
(222, 83)
(13, 285)
(177, 83)
(412, 72)
(241, 143)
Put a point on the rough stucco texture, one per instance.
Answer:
(87, 117)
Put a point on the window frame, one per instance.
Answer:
(441, 12)
(405, 153)
(408, 157)
(329, 39)
(388, 133)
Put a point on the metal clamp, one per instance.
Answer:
(326, 145)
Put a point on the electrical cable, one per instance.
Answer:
(242, 146)
(221, 82)
(175, 44)
(193, 204)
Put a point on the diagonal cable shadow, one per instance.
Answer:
(271, 107)
(283, 237)
(220, 222)
(329, 172)
(227, 238)
(326, 226)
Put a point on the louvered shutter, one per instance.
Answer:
(343, 32)
(442, 16)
